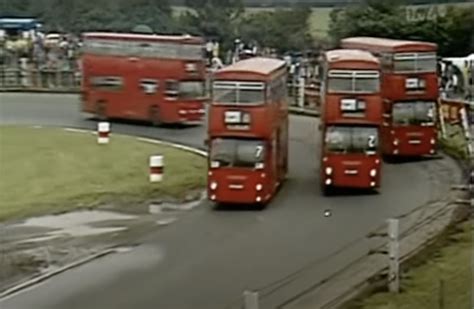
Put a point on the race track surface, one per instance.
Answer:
(209, 257)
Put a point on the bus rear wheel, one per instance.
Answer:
(155, 116)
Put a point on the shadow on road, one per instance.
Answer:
(408, 160)
(238, 207)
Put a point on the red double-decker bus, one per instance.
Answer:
(351, 117)
(144, 77)
(248, 132)
(410, 91)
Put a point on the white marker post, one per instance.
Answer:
(394, 256)
(156, 168)
(301, 88)
(467, 133)
(103, 132)
(251, 300)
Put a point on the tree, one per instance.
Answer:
(370, 18)
(283, 29)
(452, 32)
(14, 8)
(216, 19)
(456, 27)
(156, 14)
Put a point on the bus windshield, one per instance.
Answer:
(230, 152)
(344, 139)
(346, 81)
(414, 113)
(245, 93)
(414, 62)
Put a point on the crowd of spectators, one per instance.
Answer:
(39, 51)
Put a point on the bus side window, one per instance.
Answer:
(149, 86)
(171, 88)
(111, 83)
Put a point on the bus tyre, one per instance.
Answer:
(101, 111)
(155, 116)
(327, 191)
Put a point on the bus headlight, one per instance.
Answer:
(213, 185)
(215, 164)
(373, 184)
(433, 141)
(329, 171)
(258, 199)
(396, 142)
(259, 187)
(373, 172)
(328, 182)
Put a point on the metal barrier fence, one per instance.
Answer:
(14, 78)
(305, 94)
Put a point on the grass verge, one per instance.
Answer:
(441, 280)
(455, 143)
(440, 277)
(50, 170)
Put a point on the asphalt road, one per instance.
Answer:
(210, 256)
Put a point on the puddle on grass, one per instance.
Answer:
(76, 224)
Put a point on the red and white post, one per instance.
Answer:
(156, 168)
(103, 132)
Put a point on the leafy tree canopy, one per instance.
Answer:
(451, 31)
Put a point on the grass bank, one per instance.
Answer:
(441, 277)
(455, 143)
(443, 281)
(49, 170)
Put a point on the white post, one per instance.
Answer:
(301, 84)
(441, 118)
(103, 131)
(250, 300)
(466, 129)
(156, 168)
(24, 71)
(394, 256)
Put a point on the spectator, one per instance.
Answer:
(209, 50)
(217, 63)
(215, 49)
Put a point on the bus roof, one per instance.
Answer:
(143, 37)
(384, 44)
(257, 65)
(338, 55)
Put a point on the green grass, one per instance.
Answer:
(455, 142)
(452, 264)
(49, 170)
